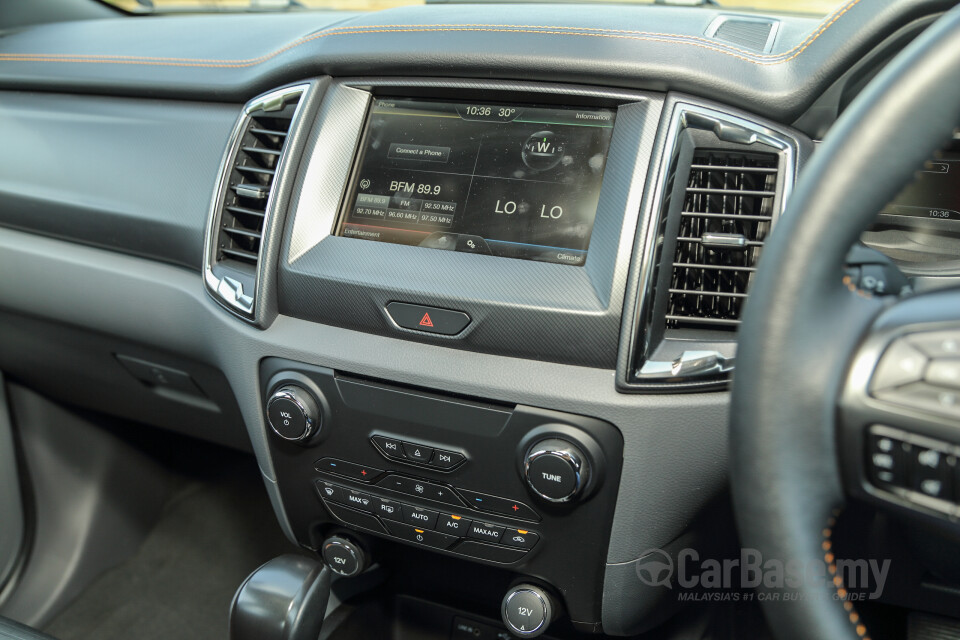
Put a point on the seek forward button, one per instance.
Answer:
(446, 459)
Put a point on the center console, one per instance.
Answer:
(526, 489)
(479, 217)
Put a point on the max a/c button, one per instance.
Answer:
(428, 319)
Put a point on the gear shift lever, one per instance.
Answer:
(285, 599)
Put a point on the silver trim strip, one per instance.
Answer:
(228, 291)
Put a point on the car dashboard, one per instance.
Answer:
(463, 280)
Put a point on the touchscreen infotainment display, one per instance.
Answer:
(498, 179)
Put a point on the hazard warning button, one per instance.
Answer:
(428, 319)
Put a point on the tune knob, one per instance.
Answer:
(556, 469)
(527, 610)
(293, 413)
(343, 556)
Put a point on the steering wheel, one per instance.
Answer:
(807, 396)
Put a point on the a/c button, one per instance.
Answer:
(428, 319)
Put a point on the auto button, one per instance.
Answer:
(423, 518)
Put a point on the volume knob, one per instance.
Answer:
(293, 413)
(556, 469)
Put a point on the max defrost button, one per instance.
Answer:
(428, 319)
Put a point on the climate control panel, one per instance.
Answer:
(457, 528)
(513, 486)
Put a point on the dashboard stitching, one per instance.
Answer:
(760, 59)
(830, 559)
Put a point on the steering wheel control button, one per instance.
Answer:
(417, 452)
(454, 525)
(933, 472)
(926, 397)
(887, 461)
(446, 459)
(556, 470)
(498, 505)
(389, 447)
(343, 557)
(485, 531)
(527, 610)
(417, 517)
(944, 372)
(937, 344)
(420, 535)
(520, 538)
(293, 414)
(417, 317)
(923, 470)
(346, 469)
(901, 364)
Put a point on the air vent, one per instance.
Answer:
(245, 198)
(724, 179)
(728, 210)
(251, 181)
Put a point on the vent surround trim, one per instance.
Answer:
(225, 288)
(695, 369)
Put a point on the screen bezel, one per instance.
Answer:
(524, 308)
(362, 148)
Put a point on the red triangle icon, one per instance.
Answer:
(426, 321)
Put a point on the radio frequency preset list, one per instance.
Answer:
(498, 179)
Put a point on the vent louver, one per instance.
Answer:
(727, 213)
(251, 180)
(240, 219)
